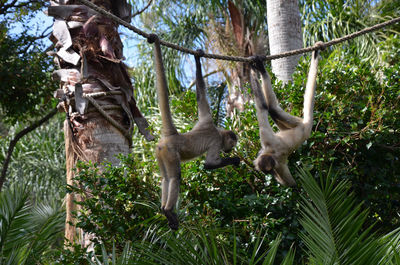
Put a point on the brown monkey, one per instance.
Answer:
(293, 131)
(175, 147)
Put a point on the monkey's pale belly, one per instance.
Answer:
(191, 151)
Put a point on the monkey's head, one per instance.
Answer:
(268, 164)
(229, 140)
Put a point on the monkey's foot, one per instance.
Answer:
(172, 218)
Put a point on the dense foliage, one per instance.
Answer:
(25, 70)
(231, 215)
(356, 130)
(331, 219)
(355, 137)
(25, 79)
(38, 160)
(28, 233)
(116, 204)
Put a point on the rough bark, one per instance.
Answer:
(95, 88)
(246, 41)
(284, 34)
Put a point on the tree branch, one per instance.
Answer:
(144, 8)
(204, 76)
(32, 39)
(14, 141)
(13, 5)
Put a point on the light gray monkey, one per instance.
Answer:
(174, 147)
(293, 131)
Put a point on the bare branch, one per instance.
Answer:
(35, 38)
(14, 141)
(206, 75)
(144, 8)
(13, 5)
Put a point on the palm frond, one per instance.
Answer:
(327, 20)
(14, 215)
(391, 247)
(27, 233)
(198, 245)
(46, 226)
(333, 224)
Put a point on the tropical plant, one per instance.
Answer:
(326, 20)
(38, 160)
(28, 233)
(23, 64)
(334, 226)
(334, 233)
(95, 130)
(284, 34)
(118, 203)
(195, 245)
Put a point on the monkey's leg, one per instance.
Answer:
(283, 120)
(310, 91)
(173, 169)
(267, 135)
(164, 184)
(174, 176)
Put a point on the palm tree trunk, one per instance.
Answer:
(95, 88)
(284, 34)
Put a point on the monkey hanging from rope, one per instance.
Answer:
(174, 147)
(293, 131)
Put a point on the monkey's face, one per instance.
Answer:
(229, 140)
(266, 163)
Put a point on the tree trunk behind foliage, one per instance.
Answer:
(284, 34)
(247, 39)
(88, 56)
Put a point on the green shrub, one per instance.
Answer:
(117, 203)
(355, 136)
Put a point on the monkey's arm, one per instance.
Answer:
(214, 161)
(202, 103)
(224, 162)
(309, 94)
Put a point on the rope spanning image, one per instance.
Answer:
(239, 58)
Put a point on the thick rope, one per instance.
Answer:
(239, 58)
(109, 118)
(102, 94)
